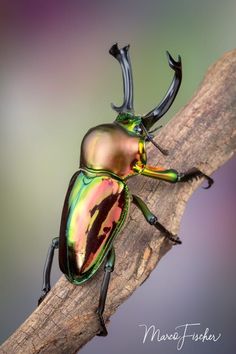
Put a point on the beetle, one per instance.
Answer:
(98, 199)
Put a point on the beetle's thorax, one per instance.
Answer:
(110, 147)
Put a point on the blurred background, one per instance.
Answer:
(57, 81)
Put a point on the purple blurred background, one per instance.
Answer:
(57, 81)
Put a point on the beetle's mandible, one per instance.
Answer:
(97, 201)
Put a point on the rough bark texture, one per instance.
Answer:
(201, 135)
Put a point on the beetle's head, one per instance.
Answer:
(141, 125)
(134, 125)
(131, 123)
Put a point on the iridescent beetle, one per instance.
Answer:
(97, 201)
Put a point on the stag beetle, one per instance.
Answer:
(97, 201)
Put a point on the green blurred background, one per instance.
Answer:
(57, 81)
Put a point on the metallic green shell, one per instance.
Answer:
(95, 209)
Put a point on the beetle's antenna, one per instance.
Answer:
(154, 115)
(154, 130)
(150, 138)
(123, 58)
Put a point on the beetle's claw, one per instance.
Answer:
(103, 331)
(195, 173)
(209, 180)
(173, 238)
(177, 240)
(42, 297)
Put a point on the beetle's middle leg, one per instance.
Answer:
(109, 267)
(47, 269)
(152, 220)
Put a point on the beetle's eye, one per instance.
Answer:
(138, 129)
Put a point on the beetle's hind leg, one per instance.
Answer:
(109, 267)
(152, 220)
(46, 287)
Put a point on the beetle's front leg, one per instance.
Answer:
(168, 175)
(171, 175)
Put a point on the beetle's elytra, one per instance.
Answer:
(97, 201)
(95, 205)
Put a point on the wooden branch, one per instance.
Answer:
(201, 135)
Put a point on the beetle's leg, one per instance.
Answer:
(109, 267)
(152, 220)
(171, 175)
(168, 175)
(47, 269)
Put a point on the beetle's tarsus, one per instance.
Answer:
(103, 332)
(195, 173)
(173, 238)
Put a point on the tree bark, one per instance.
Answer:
(202, 134)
